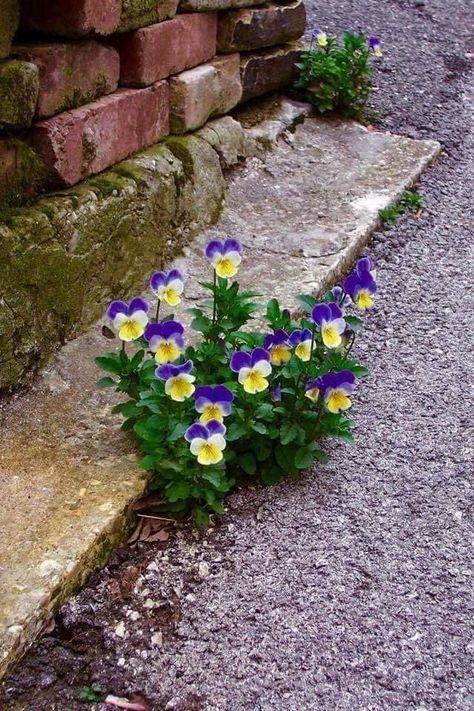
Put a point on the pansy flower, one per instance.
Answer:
(313, 389)
(329, 318)
(207, 442)
(168, 286)
(178, 381)
(375, 46)
(279, 345)
(225, 256)
(337, 388)
(301, 339)
(361, 285)
(166, 340)
(213, 402)
(253, 369)
(340, 297)
(129, 320)
(320, 37)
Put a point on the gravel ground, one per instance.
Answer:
(350, 588)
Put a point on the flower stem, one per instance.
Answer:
(214, 305)
(158, 310)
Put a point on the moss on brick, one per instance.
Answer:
(19, 89)
(138, 13)
(76, 98)
(9, 18)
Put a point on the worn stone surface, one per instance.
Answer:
(157, 51)
(87, 140)
(269, 70)
(9, 18)
(253, 28)
(203, 92)
(71, 73)
(77, 18)
(211, 5)
(19, 88)
(298, 235)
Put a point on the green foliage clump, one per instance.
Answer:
(411, 201)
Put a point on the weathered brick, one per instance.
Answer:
(22, 172)
(210, 5)
(19, 88)
(9, 17)
(76, 18)
(208, 90)
(71, 74)
(157, 51)
(87, 140)
(253, 28)
(268, 70)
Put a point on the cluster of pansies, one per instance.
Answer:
(236, 383)
(320, 37)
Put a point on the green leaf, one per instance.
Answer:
(177, 491)
(248, 463)
(148, 462)
(273, 311)
(110, 363)
(106, 383)
(201, 517)
(271, 475)
(289, 432)
(304, 457)
(259, 427)
(307, 301)
(177, 432)
(236, 431)
(218, 479)
(285, 457)
(354, 322)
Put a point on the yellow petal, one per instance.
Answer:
(211, 412)
(280, 355)
(331, 337)
(303, 351)
(167, 352)
(209, 454)
(225, 267)
(130, 330)
(338, 400)
(180, 389)
(255, 383)
(171, 297)
(364, 300)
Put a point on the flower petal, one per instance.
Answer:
(240, 360)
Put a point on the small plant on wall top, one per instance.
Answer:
(238, 403)
(337, 76)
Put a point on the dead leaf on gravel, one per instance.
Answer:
(147, 501)
(123, 703)
(150, 530)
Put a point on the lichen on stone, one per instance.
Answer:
(19, 89)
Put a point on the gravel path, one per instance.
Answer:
(350, 588)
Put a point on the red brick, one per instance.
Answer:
(157, 51)
(71, 74)
(71, 17)
(84, 141)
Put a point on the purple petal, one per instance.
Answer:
(174, 274)
(166, 371)
(157, 279)
(185, 367)
(366, 281)
(170, 328)
(152, 330)
(364, 265)
(232, 245)
(215, 427)
(195, 431)
(259, 354)
(351, 285)
(320, 313)
(223, 394)
(116, 307)
(214, 247)
(268, 340)
(138, 304)
(336, 311)
(204, 391)
(240, 360)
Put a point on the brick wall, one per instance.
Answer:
(84, 84)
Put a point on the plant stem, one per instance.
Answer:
(158, 310)
(123, 346)
(214, 305)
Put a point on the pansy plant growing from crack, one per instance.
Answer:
(228, 397)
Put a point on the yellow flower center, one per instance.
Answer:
(303, 351)
(209, 454)
(171, 296)
(364, 300)
(338, 400)
(280, 355)
(130, 330)
(331, 337)
(255, 383)
(225, 267)
(211, 412)
(167, 352)
(180, 388)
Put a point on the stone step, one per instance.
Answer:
(157, 51)
(70, 73)
(87, 140)
(206, 91)
(253, 28)
(269, 70)
(67, 473)
(77, 18)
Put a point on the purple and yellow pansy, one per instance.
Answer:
(213, 402)
(178, 380)
(320, 36)
(330, 319)
(313, 389)
(375, 46)
(253, 369)
(301, 340)
(207, 441)
(166, 340)
(224, 256)
(168, 286)
(279, 346)
(361, 285)
(129, 320)
(336, 389)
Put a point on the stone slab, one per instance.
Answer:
(67, 471)
(269, 70)
(71, 73)
(253, 28)
(9, 18)
(209, 90)
(155, 52)
(212, 5)
(19, 89)
(87, 140)
(77, 18)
